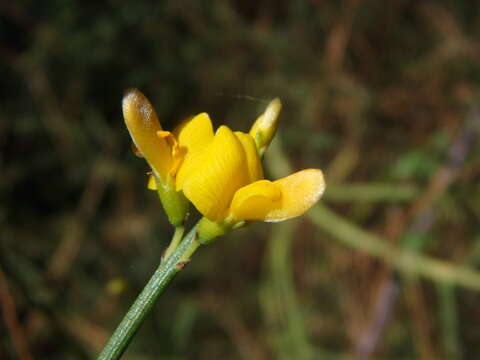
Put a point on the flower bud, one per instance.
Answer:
(265, 127)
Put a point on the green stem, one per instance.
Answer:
(147, 298)
(177, 237)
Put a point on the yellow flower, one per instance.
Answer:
(223, 178)
(220, 173)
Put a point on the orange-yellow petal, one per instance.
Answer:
(143, 124)
(254, 164)
(193, 136)
(255, 201)
(260, 201)
(216, 174)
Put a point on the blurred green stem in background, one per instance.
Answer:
(449, 319)
(281, 304)
(404, 260)
(143, 304)
(371, 192)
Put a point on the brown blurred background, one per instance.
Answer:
(381, 95)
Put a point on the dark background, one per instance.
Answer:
(381, 95)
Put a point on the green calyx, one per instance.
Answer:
(174, 202)
(208, 230)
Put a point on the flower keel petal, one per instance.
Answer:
(255, 201)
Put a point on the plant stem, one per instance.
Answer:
(147, 298)
(177, 237)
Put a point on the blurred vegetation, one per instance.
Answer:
(381, 95)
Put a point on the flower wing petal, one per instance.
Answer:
(216, 174)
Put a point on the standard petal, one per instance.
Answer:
(143, 124)
(193, 136)
(255, 201)
(255, 170)
(300, 191)
(215, 175)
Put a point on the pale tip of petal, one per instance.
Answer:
(138, 110)
(319, 189)
(300, 191)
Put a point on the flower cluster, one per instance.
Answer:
(219, 172)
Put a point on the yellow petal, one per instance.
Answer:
(193, 136)
(300, 191)
(255, 170)
(143, 124)
(195, 132)
(152, 185)
(255, 201)
(259, 201)
(216, 174)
